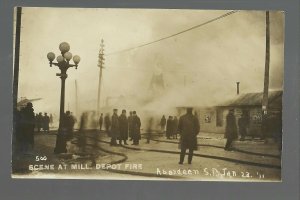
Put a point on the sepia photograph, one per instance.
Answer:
(148, 94)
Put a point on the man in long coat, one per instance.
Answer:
(175, 127)
(170, 127)
(101, 121)
(231, 129)
(107, 124)
(130, 125)
(39, 122)
(46, 121)
(114, 130)
(163, 122)
(136, 127)
(27, 120)
(68, 122)
(36, 121)
(123, 126)
(68, 125)
(188, 128)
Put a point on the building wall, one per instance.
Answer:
(208, 120)
(213, 120)
(255, 121)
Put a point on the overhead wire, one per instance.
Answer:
(175, 34)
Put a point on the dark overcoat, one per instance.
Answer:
(107, 123)
(39, 120)
(46, 122)
(188, 128)
(175, 126)
(114, 130)
(163, 122)
(136, 128)
(27, 125)
(170, 128)
(123, 126)
(231, 128)
(101, 120)
(130, 126)
(68, 123)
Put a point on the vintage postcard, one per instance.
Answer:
(148, 94)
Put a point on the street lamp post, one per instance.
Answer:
(63, 63)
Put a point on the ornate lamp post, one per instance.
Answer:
(63, 63)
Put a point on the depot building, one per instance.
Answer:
(213, 119)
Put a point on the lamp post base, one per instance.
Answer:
(61, 144)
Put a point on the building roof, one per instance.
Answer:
(252, 99)
(24, 101)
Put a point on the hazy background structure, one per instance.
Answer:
(199, 67)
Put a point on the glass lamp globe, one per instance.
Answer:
(51, 56)
(76, 59)
(68, 56)
(64, 47)
(60, 58)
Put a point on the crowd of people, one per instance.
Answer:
(188, 127)
(42, 122)
(271, 127)
(171, 126)
(27, 122)
(121, 128)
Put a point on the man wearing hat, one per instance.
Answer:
(123, 124)
(231, 129)
(114, 131)
(188, 128)
(39, 120)
(46, 121)
(136, 129)
(130, 129)
(27, 120)
(170, 127)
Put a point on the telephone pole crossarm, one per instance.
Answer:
(101, 66)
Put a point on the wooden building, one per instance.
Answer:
(213, 119)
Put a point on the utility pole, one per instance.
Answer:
(76, 99)
(17, 55)
(100, 65)
(267, 67)
(16, 72)
(264, 128)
